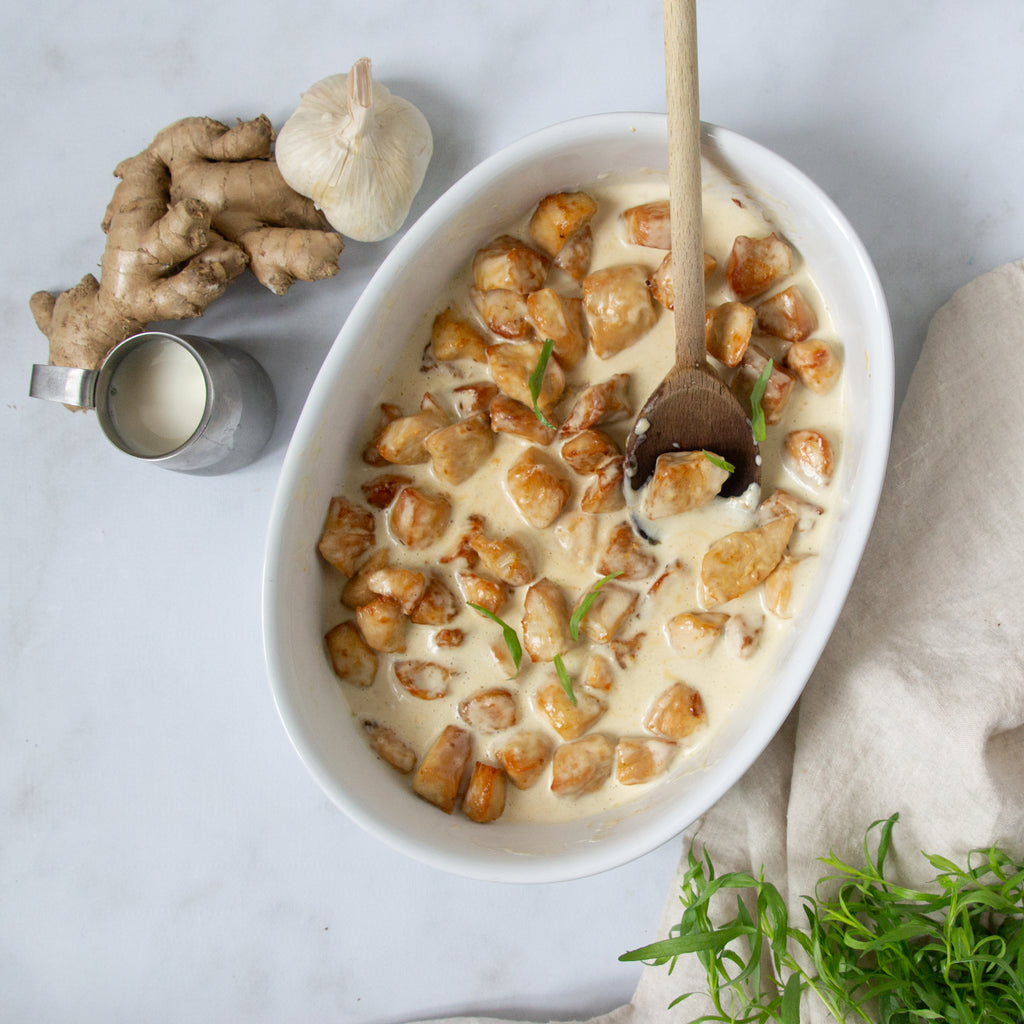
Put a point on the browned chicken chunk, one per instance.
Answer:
(576, 254)
(559, 318)
(625, 556)
(604, 493)
(436, 607)
(648, 224)
(641, 759)
(581, 766)
(386, 744)
(682, 481)
(567, 719)
(755, 264)
(787, 315)
(524, 757)
(506, 557)
(558, 217)
(808, 455)
(503, 311)
(401, 441)
(741, 560)
(418, 517)
(589, 450)
(777, 390)
(459, 450)
(605, 402)
(488, 593)
(489, 711)
(383, 625)
(727, 330)
(618, 308)
(511, 367)
(675, 713)
(508, 263)
(545, 621)
(347, 536)
(484, 800)
(815, 363)
(381, 490)
(454, 337)
(439, 776)
(406, 586)
(693, 634)
(610, 609)
(351, 656)
(538, 486)
(511, 417)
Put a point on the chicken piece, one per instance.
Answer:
(742, 634)
(418, 518)
(681, 482)
(606, 402)
(538, 486)
(815, 363)
(581, 766)
(777, 594)
(545, 621)
(439, 775)
(436, 607)
(625, 555)
(787, 315)
(741, 560)
(808, 456)
(777, 390)
(558, 217)
(612, 605)
(347, 535)
(727, 330)
(576, 254)
(618, 307)
(755, 264)
(524, 756)
(604, 493)
(589, 450)
(577, 535)
(508, 263)
(511, 367)
(454, 337)
(356, 590)
(484, 800)
(381, 490)
(567, 719)
(693, 634)
(671, 581)
(781, 502)
(401, 441)
(371, 456)
(460, 449)
(598, 675)
(473, 398)
(447, 638)
(626, 649)
(661, 281)
(559, 318)
(648, 224)
(425, 680)
(406, 586)
(383, 625)
(482, 590)
(641, 759)
(503, 659)
(387, 745)
(506, 557)
(511, 417)
(675, 713)
(489, 711)
(503, 311)
(351, 657)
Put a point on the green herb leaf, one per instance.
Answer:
(511, 638)
(536, 381)
(717, 460)
(563, 678)
(953, 952)
(584, 606)
(756, 412)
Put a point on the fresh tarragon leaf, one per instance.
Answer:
(717, 460)
(584, 605)
(563, 678)
(756, 412)
(511, 638)
(536, 382)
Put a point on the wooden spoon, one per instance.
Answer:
(692, 409)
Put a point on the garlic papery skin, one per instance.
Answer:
(357, 151)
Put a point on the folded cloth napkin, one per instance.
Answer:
(917, 704)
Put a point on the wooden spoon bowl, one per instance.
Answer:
(692, 409)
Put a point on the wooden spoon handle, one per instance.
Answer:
(684, 179)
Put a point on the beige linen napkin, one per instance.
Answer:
(917, 704)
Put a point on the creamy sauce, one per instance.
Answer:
(157, 397)
(721, 677)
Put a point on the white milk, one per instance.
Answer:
(157, 397)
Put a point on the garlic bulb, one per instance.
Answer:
(357, 151)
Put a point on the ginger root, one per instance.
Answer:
(196, 207)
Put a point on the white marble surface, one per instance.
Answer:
(163, 854)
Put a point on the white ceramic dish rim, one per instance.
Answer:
(308, 475)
